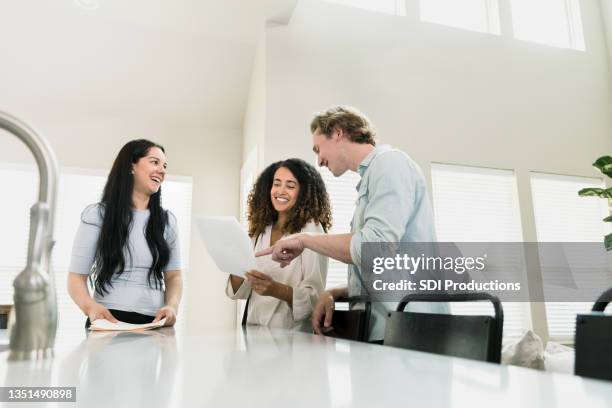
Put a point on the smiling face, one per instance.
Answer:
(329, 151)
(150, 171)
(285, 190)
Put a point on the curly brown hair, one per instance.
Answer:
(312, 203)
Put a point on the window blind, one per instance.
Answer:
(476, 204)
(562, 216)
(343, 197)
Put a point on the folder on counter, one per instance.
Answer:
(103, 324)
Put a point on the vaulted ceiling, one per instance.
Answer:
(187, 59)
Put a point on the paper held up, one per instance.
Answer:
(103, 324)
(228, 244)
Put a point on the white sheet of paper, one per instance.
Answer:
(228, 244)
(103, 324)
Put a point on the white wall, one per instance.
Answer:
(254, 126)
(443, 94)
(606, 14)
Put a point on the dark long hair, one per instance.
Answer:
(312, 203)
(116, 212)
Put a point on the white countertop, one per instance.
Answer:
(272, 368)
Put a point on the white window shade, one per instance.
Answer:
(562, 216)
(20, 183)
(343, 196)
(177, 194)
(475, 15)
(77, 189)
(474, 204)
(551, 22)
(177, 198)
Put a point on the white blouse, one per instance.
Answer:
(306, 275)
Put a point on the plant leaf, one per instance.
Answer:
(604, 164)
(608, 242)
(608, 218)
(590, 192)
(596, 192)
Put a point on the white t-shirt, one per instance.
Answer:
(306, 274)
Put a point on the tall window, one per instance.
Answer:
(77, 189)
(248, 177)
(475, 204)
(562, 216)
(551, 22)
(395, 7)
(474, 15)
(343, 196)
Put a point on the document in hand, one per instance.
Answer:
(228, 244)
(103, 324)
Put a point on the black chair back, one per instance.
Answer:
(602, 301)
(593, 341)
(352, 324)
(473, 337)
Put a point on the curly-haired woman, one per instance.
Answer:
(289, 197)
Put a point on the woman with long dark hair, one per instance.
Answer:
(288, 197)
(127, 244)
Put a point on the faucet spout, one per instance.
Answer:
(33, 329)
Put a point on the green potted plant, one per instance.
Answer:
(603, 164)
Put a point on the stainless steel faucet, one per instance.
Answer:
(34, 325)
